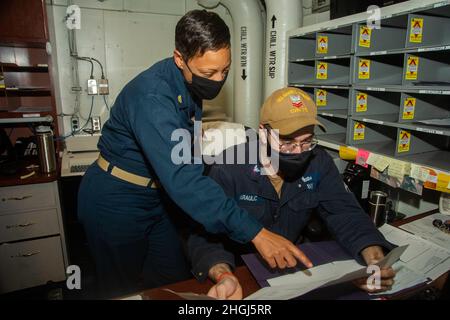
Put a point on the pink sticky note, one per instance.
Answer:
(361, 157)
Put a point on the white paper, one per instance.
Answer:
(284, 292)
(387, 261)
(404, 278)
(396, 236)
(439, 270)
(428, 260)
(422, 256)
(424, 228)
(299, 283)
(312, 275)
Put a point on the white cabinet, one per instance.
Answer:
(32, 241)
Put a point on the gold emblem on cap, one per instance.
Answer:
(180, 99)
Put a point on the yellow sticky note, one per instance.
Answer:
(365, 34)
(322, 70)
(381, 163)
(419, 173)
(399, 169)
(361, 102)
(359, 131)
(404, 141)
(347, 153)
(364, 69)
(322, 44)
(443, 181)
(372, 159)
(409, 107)
(416, 32)
(412, 68)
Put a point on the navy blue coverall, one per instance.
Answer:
(320, 189)
(129, 233)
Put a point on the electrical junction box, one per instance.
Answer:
(103, 87)
(92, 88)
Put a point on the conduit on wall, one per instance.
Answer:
(282, 16)
(247, 55)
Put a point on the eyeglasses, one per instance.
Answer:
(291, 146)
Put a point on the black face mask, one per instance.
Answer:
(293, 165)
(204, 88)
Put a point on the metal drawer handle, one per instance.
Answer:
(26, 255)
(20, 225)
(16, 198)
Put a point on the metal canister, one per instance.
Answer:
(46, 149)
(377, 207)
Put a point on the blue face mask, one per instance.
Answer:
(204, 88)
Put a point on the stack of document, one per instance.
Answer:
(423, 256)
(431, 259)
(296, 284)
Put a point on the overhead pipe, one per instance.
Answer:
(282, 16)
(247, 55)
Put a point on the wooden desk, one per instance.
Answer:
(249, 284)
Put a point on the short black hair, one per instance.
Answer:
(199, 31)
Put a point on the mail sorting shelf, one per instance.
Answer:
(376, 105)
(418, 107)
(370, 135)
(334, 42)
(430, 28)
(418, 143)
(424, 148)
(303, 47)
(427, 68)
(331, 101)
(386, 69)
(326, 43)
(326, 71)
(336, 129)
(309, 89)
(390, 36)
(421, 32)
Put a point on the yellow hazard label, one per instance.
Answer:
(404, 141)
(322, 44)
(321, 98)
(412, 68)
(361, 102)
(416, 34)
(365, 34)
(359, 131)
(322, 70)
(408, 108)
(364, 69)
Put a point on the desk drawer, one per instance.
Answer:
(28, 225)
(27, 197)
(30, 263)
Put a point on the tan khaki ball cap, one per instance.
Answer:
(289, 110)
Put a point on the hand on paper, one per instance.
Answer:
(372, 255)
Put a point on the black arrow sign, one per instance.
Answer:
(244, 76)
(274, 19)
